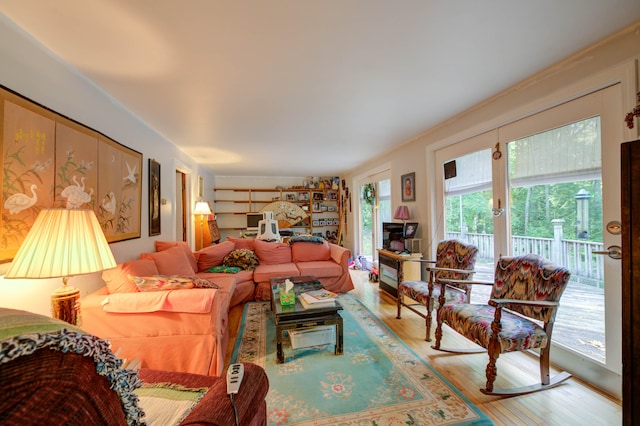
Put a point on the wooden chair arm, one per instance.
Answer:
(500, 303)
(458, 271)
(453, 281)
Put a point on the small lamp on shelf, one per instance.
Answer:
(402, 213)
(63, 243)
(202, 209)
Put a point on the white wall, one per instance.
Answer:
(598, 66)
(30, 70)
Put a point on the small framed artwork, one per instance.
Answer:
(303, 196)
(408, 189)
(290, 197)
(317, 196)
(331, 208)
(336, 222)
(317, 207)
(200, 186)
(332, 195)
(410, 229)
(316, 223)
(323, 222)
(154, 197)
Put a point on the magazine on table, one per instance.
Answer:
(320, 295)
(309, 303)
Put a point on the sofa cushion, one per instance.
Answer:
(165, 245)
(213, 255)
(273, 253)
(117, 279)
(264, 273)
(320, 269)
(240, 243)
(308, 252)
(172, 261)
(243, 258)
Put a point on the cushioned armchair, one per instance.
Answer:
(54, 373)
(526, 292)
(454, 260)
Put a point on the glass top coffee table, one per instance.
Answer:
(292, 317)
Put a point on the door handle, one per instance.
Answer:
(614, 252)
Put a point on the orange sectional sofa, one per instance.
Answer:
(187, 330)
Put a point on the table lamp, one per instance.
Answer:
(402, 213)
(202, 208)
(63, 243)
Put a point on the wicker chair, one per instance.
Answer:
(526, 291)
(454, 260)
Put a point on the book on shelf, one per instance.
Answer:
(307, 304)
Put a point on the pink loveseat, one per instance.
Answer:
(187, 330)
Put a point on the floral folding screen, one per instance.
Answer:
(51, 161)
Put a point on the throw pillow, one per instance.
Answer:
(306, 238)
(273, 253)
(164, 283)
(213, 255)
(117, 280)
(172, 261)
(243, 243)
(224, 269)
(242, 258)
(165, 245)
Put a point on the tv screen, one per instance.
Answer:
(253, 219)
(393, 236)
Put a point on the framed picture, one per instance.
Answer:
(303, 196)
(154, 197)
(200, 186)
(410, 229)
(331, 208)
(317, 207)
(332, 195)
(316, 223)
(317, 196)
(51, 161)
(408, 188)
(323, 222)
(290, 197)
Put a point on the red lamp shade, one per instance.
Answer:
(402, 213)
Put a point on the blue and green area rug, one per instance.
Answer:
(378, 381)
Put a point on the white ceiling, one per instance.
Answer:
(308, 87)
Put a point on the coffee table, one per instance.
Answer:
(294, 317)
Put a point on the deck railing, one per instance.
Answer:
(577, 255)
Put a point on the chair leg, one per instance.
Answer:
(438, 331)
(428, 320)
(399, 302)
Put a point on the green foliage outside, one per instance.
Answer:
(532, 210)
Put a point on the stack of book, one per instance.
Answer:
(317, 299)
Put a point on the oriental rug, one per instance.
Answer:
(378, 381)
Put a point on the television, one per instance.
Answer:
(253, 221)
(393, 236)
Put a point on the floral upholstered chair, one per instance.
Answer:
(526, 289)
(454, 260)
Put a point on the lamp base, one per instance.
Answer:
(65, 304)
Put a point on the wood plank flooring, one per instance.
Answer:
(574, 403)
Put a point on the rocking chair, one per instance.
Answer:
(454, 260)
(526, 289)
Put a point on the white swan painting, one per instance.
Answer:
(109, 202)
(19, 202)
(75, 194)
(132, 173)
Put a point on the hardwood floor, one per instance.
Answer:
(574, 403)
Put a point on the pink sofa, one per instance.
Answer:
(187, 331)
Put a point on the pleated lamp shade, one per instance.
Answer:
(63, 243)
(402, 213)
